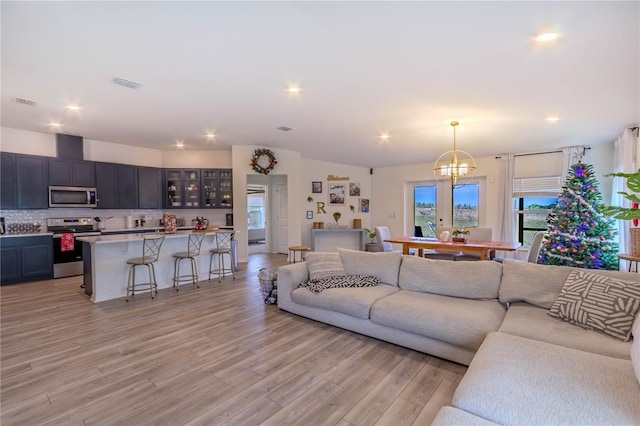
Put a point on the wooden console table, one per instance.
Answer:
(328, 239)
(633, 261)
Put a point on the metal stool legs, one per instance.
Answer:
(131, 284)
(177, 278)
(221, 270)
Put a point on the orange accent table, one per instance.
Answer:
(294, 249)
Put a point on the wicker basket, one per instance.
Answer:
(268, 285)
(635, 242)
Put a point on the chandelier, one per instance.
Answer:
(454, 164)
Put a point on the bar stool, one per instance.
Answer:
(294, 249)
(150, 252)
(193, 250)
(224, 242)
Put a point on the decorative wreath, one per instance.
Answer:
(255, 161)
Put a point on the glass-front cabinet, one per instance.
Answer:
(226, 189)
(196, 188)
(210, 188)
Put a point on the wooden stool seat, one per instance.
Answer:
(295, 249)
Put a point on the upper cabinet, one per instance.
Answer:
(194, 188)
(32, 177)
(117, 186)
(8, 186)
(149, 188)
(71, 172)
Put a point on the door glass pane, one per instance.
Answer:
(465, 205)
(425, 209)
(256, 211)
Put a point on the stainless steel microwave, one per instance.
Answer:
(72, 196)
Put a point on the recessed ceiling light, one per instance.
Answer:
(74, 107)
(54, 124)
(553, 118)
(546, 37)
(180, 144)
(384, 136)
(294, 90)
(210, 136)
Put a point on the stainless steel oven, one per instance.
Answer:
(68, 262)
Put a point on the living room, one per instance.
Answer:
(360, 93)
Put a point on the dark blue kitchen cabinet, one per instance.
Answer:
(32, 177)
(150, 188)
(24, 259)
(66, 172)
(8, 186)
(117, 186)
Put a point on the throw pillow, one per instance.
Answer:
(349, 281)
(323, 265)
(596, 302)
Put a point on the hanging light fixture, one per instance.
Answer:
(454, 164)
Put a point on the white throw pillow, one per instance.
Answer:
(322, 265)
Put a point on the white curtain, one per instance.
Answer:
(571, 155)
(506, 219)
(625, 151)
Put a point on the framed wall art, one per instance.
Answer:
(316, 187)
(354, 189)
(337, 194)
(363, 205)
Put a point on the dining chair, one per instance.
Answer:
(382, 234)
(534, 248)
(478, 234)
(418, 232)
(150, 252)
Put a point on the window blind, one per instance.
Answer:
(528, 187)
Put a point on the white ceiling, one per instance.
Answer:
(407, 68)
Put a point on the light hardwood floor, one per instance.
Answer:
(213, 355)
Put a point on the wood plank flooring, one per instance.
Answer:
(216, 355)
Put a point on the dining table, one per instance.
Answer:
(475, 247)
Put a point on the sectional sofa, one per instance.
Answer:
(525, 366)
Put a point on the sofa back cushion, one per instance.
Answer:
(384, 265)
(540, 285)
(635, 348)
(470, 280)
(322, 265)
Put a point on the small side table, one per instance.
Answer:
(295, 249)
(633, 261)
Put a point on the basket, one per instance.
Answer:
(635, 242)
(268, 285)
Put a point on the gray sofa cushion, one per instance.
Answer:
(513, 380)
(451, 416)
(529, 321)
(471, 280)
(355, 302)
(385, 266)
(462, 322)
(323, 265)
(540, 284)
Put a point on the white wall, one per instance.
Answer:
(26, 142)
(319, 171)
(289, 165)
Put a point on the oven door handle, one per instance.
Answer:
(86, 234)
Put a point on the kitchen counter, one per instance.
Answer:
(105, 262)
(29, 234)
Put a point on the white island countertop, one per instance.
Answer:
(123, 238)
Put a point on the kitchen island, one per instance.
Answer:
(105, 262)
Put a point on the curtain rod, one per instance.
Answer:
(540, 153)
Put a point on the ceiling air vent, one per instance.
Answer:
(285, 128)
(126, 83)
(23, 101)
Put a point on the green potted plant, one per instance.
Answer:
(458, 235)
(628, 213)
(372, 245)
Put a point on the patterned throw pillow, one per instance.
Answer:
(605, 304)
(322, 265)
(349, 281)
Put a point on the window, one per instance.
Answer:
(532, 216)
(424, 209)
(256, 211)
(466, 200)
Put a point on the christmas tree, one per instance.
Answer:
(578, 234)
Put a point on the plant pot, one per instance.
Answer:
(459, 239)
(635, 242)
(372, 247)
